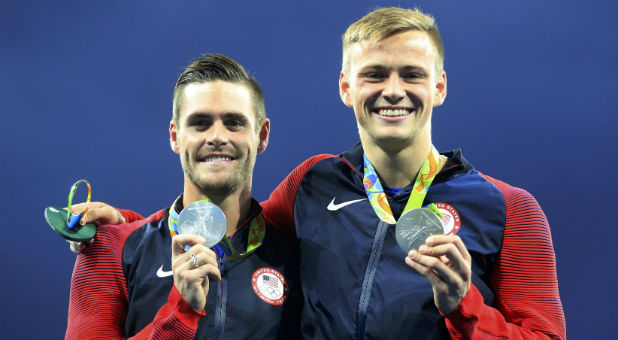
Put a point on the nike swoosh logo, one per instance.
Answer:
(161, 273)
(334, 207)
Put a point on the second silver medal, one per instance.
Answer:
(415, 226)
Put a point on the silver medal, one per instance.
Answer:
(204, 219)
(415, 226)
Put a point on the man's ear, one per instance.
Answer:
(440, 91)
(173, 137)
(344, 90)
(264, 133)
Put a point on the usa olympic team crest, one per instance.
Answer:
(270, 286)
(451, 222)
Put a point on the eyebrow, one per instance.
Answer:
(235, 115)
(378, 67)
(201, 117)
(198, 115)
(373, 68)
(412, 68)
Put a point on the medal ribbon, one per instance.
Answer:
(377, 197)
(257, 231)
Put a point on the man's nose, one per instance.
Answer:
(217, 134)
(394, 91)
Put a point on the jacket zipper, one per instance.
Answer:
(372, 265)
(221, 303)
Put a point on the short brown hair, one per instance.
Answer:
(385, 22)
(212, 67)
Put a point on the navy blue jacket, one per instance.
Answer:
(122, 285)
(357, 285)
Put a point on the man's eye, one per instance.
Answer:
(373, 75)
(412, 76)
(200, 124)
(235, 123)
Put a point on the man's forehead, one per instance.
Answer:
(217, 97)
(216, 89)
(417, 47)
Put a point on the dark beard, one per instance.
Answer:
(217, 192)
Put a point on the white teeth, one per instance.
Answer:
(217, 158)
(393, 113)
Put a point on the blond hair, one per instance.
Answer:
(385, 22)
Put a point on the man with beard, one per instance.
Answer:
(490, 272)
(143, 280)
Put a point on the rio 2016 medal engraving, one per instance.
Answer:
(204, 219)
(415, 226)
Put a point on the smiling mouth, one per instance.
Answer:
(216, 158)
(392, 112)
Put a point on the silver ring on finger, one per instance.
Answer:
(195, 261)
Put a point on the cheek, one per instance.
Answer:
(191, 141)
(245, 143)
(360, 98)
(366, 91)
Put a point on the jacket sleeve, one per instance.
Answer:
(129, 215)
(99, 296)
(524, 280)
(278, 210)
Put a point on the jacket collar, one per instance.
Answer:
(455, 161)
(254, 210)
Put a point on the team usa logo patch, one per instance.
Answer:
(270, 286)
(451, 222)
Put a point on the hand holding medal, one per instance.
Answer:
(442, 259)
(198, 227)
(445, 262)
(193, 266)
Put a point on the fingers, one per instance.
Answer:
(78, 247)
(446, 256)
(194, 258)
(445, 262)
(192, 265)
(100, 214)
(430, 266)
(198, 260)
(436, 240)
(450, 255)
(180, 241)
(197, 264)
(424, 269)
(193, 268)
(77, 208)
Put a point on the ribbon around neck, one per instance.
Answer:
(377, 197)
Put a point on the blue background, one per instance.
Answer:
(85, 92)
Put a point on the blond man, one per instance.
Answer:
(491, 271)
